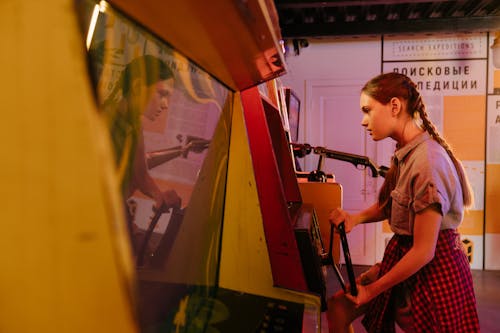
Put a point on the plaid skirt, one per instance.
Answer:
(441, 293)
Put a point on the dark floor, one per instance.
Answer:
(486, 286)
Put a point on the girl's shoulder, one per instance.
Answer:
(430, 160)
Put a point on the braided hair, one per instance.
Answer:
(383, 88)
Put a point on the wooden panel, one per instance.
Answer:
(236, 41)
(324, 197)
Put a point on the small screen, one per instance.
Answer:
(293, 108)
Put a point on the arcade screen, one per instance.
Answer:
(168, 124)
(293, 108)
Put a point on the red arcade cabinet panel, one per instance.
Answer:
(282, 247)
(291, 228)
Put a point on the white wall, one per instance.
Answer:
(342, 59)
(329, 63)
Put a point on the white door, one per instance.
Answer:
(333, 120)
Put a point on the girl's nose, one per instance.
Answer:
(364, 121)
(164, 103)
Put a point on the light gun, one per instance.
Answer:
(354, 159)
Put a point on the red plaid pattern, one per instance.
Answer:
(442, 293)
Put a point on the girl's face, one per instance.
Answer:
(378, 119)
(158, 96)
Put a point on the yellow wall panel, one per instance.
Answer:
(496, 79)
(472, 223)
(492, 198)
(463, 125)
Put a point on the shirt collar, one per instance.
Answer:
(402, 152)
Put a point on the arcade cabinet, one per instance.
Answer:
(79, 252)
(232, 256)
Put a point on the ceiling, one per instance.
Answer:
(333, 18)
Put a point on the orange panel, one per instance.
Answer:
(496, 79)
(492, 198)
(472, 223)
(464, 125)
(324, 197)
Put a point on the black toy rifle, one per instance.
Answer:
(353, 159)
(193, 144)
(302, 149)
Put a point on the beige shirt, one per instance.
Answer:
(426, 175)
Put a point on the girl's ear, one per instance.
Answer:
(138, 94)
(395, 106)
(136, 86)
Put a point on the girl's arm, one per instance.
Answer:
(146, 184)
(425, 235)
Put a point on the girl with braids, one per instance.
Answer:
(424, 281)
(144, 89)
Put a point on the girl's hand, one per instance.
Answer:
(364, 296)
(339, 215)
(166, 200)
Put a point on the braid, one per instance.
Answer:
(419, 107)
(416, 104)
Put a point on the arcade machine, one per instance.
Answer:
(235, 249)
(81, 252)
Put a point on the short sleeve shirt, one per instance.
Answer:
(124, 124)
(426, 176)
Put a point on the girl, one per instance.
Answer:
(144, 89)
(424, 282)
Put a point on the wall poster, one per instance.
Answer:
(492, 193)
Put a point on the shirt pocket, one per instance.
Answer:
(400, 210)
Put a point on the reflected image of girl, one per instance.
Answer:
(424, 281)
(144, 89)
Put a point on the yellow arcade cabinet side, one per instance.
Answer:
(181, 261)
(63, 248)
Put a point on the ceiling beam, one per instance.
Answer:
(281, 4)
(459, 24)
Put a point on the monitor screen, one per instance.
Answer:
(293, 108)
